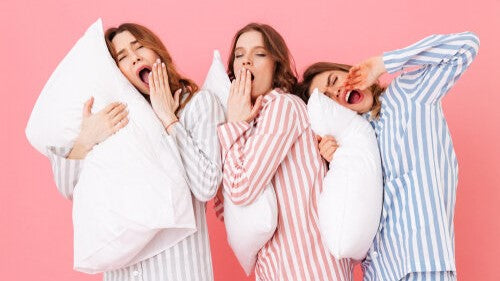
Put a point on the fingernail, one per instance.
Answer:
(163, 64)
(158, 60)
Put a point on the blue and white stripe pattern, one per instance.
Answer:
(419, 164)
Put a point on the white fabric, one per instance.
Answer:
(350, 204)
(251, 226)
(132, 200)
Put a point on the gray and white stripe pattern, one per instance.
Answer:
(420, 167)
(196, 137)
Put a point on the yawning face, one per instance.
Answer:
(134, 60)
(250, 53)
(330, 83)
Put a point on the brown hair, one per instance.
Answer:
(149, 40)
(285, 74)
(303, 88)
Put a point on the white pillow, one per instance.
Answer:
(350, 204)
(132, 200)
(251, 226)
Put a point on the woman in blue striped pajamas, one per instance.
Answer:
(193, 127)
(415, 239)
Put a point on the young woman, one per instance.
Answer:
(190, 118)
(415, 240)
(268, 139)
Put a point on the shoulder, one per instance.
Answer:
(202, 101)
(287, 106)
(283, 100)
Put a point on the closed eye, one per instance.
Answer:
(334, 81)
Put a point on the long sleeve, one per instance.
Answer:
(66, 171)
(444, 58)
(251, 161)
(198, 144)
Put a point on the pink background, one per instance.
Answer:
(35, 221)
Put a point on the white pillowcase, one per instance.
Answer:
(251, 226)
(350, 204)
(132, 200)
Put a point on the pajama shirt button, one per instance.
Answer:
(136, 273)
(375, 254)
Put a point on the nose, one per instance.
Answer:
(246, 61)
(135, 58)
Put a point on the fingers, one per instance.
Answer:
(120, 125)
(248, 83)
(318, 138)
(151, 84)
(177, 97)
(165, 77)
(160, 76)
(241, 83)
(117, 110)
(232, 88)
(156, 81)
(119, 117)
(87, 107)
(110, 107)
(255, 109)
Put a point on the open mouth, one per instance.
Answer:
(143, 74)
(353, 97)
(252, 76)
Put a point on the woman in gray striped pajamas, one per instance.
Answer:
(190, 117)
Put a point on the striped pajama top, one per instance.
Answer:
(279, 147)
(196, 138)
(420, 168)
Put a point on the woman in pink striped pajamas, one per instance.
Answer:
(268, 139)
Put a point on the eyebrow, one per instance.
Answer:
(123, 50)
(256, 47)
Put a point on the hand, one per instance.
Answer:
(239, 102)
(162, 101)
(97, 127)
(327, 146)
(365, 74)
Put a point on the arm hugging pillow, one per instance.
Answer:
(350, 204)
(132, 200)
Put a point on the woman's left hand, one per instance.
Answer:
(162, 101)
(239, 102)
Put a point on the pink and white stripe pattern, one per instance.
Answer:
(279, 147)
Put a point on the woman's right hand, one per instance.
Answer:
(239, 102)
(365, 74)
(327, 147)
(97, 127)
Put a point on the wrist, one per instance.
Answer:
(380, 66)
(168, 125)
(84, 144)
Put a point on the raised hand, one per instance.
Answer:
(365, 74)
(239, 103)
(163, 102)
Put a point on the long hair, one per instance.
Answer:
(285, 75)
(303, 88)
(149, 40)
